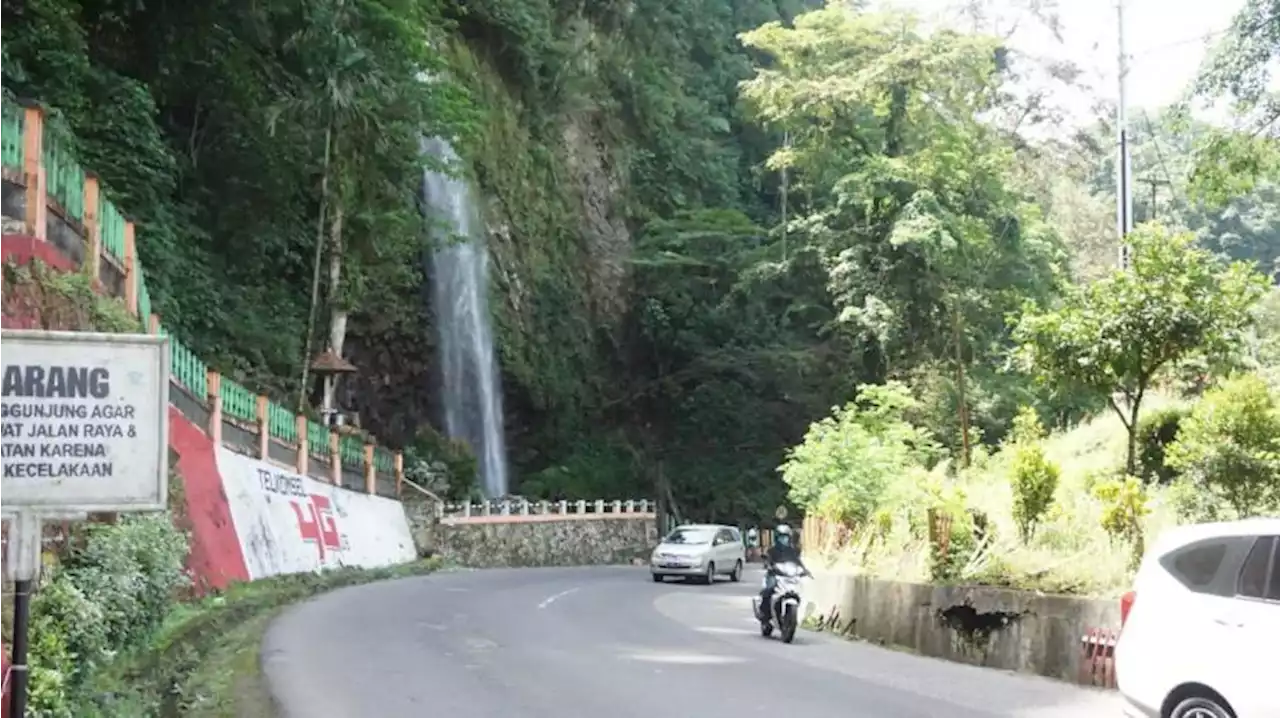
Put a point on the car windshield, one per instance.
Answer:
(690, 536)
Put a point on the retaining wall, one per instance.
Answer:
(289, 523)
(996, 628)
(521, 533)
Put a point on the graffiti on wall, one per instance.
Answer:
(288, 523)
(317, 520)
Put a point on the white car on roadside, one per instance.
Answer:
(1200, 631)
(701, 551)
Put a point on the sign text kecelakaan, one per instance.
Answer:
(84, 421)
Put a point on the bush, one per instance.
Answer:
(106, 597)
(848, 462)
(1230, 446)
(1156, 431)
(1125, 503)
(1034, 477)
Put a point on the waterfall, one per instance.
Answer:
(469, 382)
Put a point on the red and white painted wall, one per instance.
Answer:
(251, 519)
(287, 523)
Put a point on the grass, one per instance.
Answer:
(1069, 553)
(204, 661)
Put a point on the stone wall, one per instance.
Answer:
(996, 628)
(531, 535)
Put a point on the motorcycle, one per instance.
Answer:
(784, 615)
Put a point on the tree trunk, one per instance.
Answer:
(962, 395)
(1131, 457)
(315, 271)
(337, 311)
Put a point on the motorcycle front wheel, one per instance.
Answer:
(788, 623)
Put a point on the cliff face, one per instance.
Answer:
(591, 126)
(244, 143)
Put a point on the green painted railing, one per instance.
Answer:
(111, 229)
(317, 438)
(351, 450)
(144, 295)
(187, 368)
(281, 423)
(11, 135)
(238, 401)
(65, 182)
(384, 462)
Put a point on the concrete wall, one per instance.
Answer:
(520, 534)
(996, 628)
(288, 523)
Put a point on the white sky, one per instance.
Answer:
(1166, 41)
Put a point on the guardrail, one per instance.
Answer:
(500, 510)
(62, 204)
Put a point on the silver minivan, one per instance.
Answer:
(701, 551)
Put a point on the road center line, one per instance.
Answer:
(553, 599)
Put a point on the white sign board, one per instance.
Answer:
(85, 422)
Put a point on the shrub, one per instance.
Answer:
(1156, 431)
(1034, 476)
(106, 597)
(1230, 446)
(849, 462)
(1124, 504)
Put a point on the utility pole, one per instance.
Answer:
(1153, 182)
(1124, 192)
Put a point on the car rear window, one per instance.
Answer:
(1209, 566)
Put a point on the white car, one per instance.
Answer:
(1200, 631)
(700, 550)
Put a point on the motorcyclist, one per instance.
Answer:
(783, 550)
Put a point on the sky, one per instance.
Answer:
(1166, 41)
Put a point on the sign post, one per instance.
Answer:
(85, 425)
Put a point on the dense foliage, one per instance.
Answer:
(710, 222)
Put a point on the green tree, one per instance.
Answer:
(902, 190)
(1113, 336)
(1034, 476)
(848, 461)
(1230, 445)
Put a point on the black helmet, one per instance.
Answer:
(782, 535)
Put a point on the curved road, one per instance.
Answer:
(607, 642)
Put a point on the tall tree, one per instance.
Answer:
(1113, 336)
(905, 191)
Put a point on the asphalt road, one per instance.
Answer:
(608, 643)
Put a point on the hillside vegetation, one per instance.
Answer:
(710, 221)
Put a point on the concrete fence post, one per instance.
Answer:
(398, 467)
(264, 428)
(599, 506)
(562, 507)
(544, 507)
(302, 461)
(93, 226)
(213, 385)
(130, 269)
(335, 459)
(524, 507)
(617, 506)
(582, 506)
(33, 172)
(629, 506)
(370, 478)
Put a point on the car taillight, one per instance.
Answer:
(1126, 605)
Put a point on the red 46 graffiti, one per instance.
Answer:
(317, 523)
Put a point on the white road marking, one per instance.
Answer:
(552, 599)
